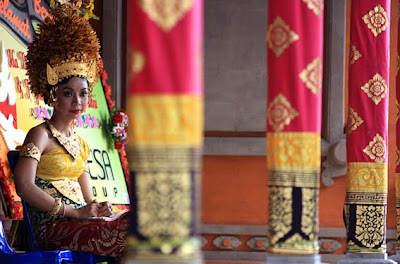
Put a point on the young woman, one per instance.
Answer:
(51, 174)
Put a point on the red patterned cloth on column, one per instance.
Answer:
(295, 53)
(165, 104)
(367, 128)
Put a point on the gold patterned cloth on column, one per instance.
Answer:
(367, 128)
(165, 103)
(295, 52)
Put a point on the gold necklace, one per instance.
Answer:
(71, 143)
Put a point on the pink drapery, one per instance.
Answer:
(165, 105)
(295, 53)
(367, 130)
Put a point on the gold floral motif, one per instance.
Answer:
(309, 216)
(166, 13)
(167, 120)
(147, 250)
(138, 61)
(294, 151)
(376, 88)
(312, 75)
(370, 225)
(280, 212)
(280, 113)
(57, 73)
(317, 6)
(30, 151)
(366, 177)
(70, 189)
(280, 36)
(376, 20)
(296, 244)
(164, 204)
(376, 149)
(354, 54)
(354, 120)
(71, 143)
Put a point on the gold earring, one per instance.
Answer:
(53, 97)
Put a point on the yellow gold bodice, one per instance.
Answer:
(58, 164)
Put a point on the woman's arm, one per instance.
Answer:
(84, 182)
(25, 173)
(104, 208)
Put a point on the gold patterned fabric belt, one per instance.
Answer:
(70, 189)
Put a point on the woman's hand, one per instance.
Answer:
(88, 210)
(105, 209)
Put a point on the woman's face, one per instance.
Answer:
(72, 97)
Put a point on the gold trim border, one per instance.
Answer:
(367, 177)
(294, 151)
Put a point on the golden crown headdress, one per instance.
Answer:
(64, 46)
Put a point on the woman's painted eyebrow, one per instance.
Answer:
(69, 88)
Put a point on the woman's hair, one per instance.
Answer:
(64, 46)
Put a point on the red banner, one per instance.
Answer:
(165, 105)
(367, 130)
(295, 53)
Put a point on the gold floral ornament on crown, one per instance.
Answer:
(166, 13)
(280, 36)
(376, 149)
(49, 64)
(354, 54)
(312, 76)
(354, 120)
(317, 6)
(58, 73)
(397, 157)
(377, 20)
(280, 113)
(376, 88)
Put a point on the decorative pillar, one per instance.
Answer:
(165, 104)
(295, 53)
(367, 132)
(397, 174)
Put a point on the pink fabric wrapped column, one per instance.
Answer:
(295, 53)
(367, 130)
(165, 104)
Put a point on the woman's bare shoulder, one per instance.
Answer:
(38, 135)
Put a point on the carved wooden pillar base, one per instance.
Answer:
(369, 258)
(293, 259)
